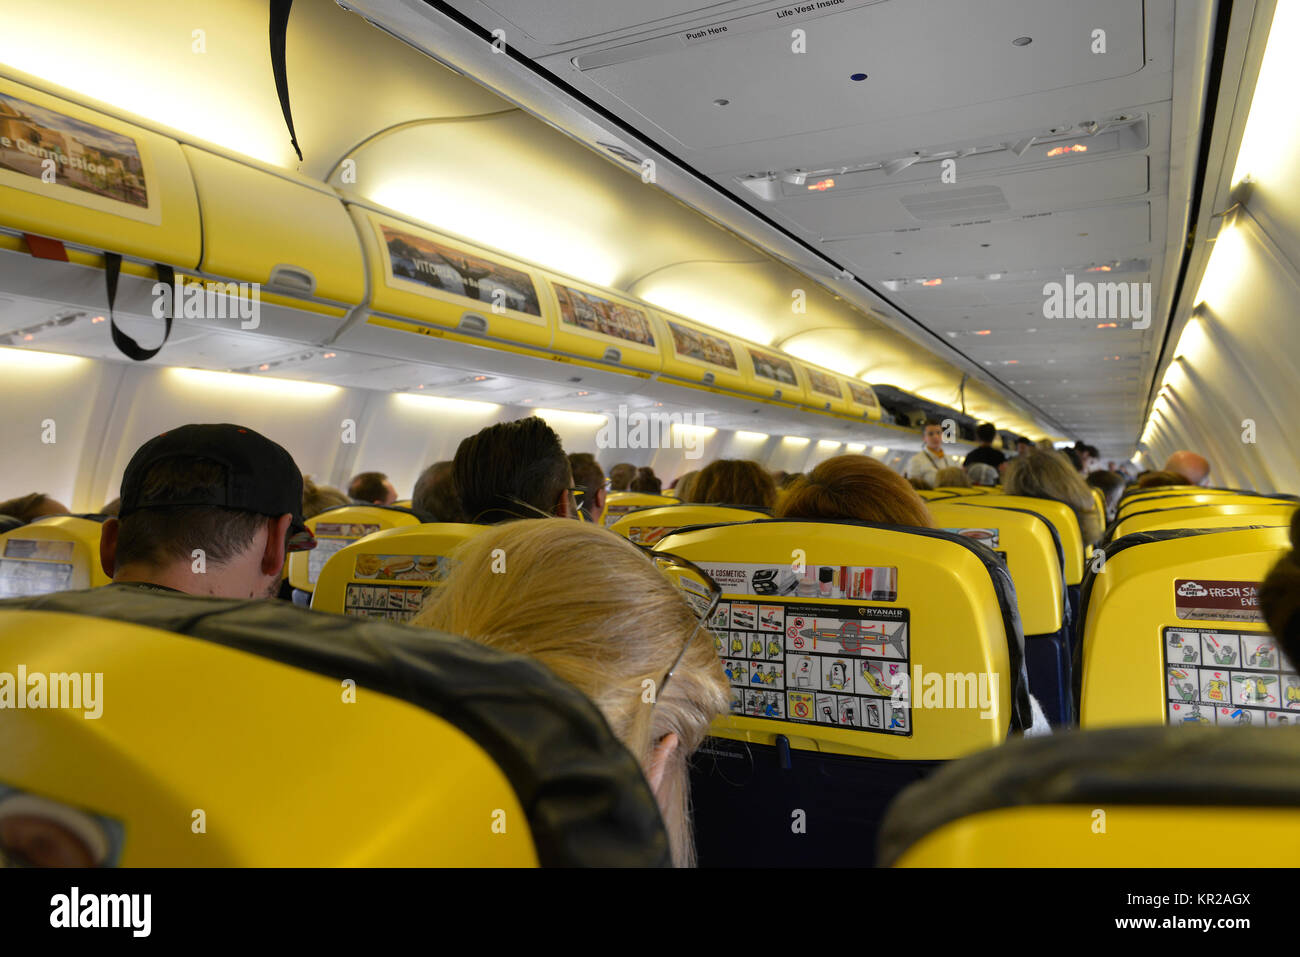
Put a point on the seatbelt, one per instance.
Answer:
(279, 28)
(128, 346)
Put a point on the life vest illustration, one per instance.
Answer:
(1255, 687)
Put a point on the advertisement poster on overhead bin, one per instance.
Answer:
(1215, 600)
(862, 395)
(774, 367)
(702, 347)
(45, 151)
(823, 383)
(425, 266)
(594, 314)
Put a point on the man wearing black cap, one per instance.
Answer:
(207, 510)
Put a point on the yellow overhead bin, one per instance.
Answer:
(426, 284)
(703, 356)
(862, 399)
(598, 326)
(116, 187)
(775, 375)
(265, 228)
(826, 391)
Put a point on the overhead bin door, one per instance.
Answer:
(825, 391)
(427, 284)
(776, 376)
(862, 400)
(296, 240)
(705, 357)
(595, 325)
(72, 174)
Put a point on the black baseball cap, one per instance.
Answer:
(261, 476)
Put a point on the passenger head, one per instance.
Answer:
(1195, 468)
(1279, 597)
(593, 609)
(1076, 461)
(683, 485)
(1024, 447)
(952, 477)
(317, 498)
(372, 487)
(1160, 479)
(1051, 475)
(1111, 486)
(647, 482)
(734, 482)
(434, 496)
(985, 432)
(28, 508)
(856, 487)
(621, 476)
(513, 470)
(932, 433)
(589, 477)
(208, 510)
(981, 473)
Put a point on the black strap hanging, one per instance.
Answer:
(128, 346)
(279, 28)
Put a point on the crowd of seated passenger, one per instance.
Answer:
(583, 601)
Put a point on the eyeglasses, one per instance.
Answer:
(703, 606)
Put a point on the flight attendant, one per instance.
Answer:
(925, 465)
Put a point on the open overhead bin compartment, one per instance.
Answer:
(424, 283)
(601, 329)
(292, 237)
(705, 358)
(74, 175)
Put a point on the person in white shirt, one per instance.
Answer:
(924, 465)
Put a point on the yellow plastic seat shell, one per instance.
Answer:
(927, 565)
(1032, 558)
(284, 772)
(647, 525)
(61, 550)
(400, 565)
(336, 528)
(1135, 836)
(1132, 601)
(618, 504)
(1207, 516)
(1061, 516)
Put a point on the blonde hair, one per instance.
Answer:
(952, 477)
(593, 609)
(1045, 474)
(317, 498)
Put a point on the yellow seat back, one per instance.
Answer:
(1192, 496)
(1172, 632)
(1063, 520)
(389, 574)
(1206, 516)
(618, 504)
(960, 490)
(646, 526)
(1123, 797)
(304, 740)
(335, 529)
(1032, 551)
(57, 553)
(811, 651)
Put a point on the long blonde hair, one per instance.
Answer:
(1049, 474)
(593, 609)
